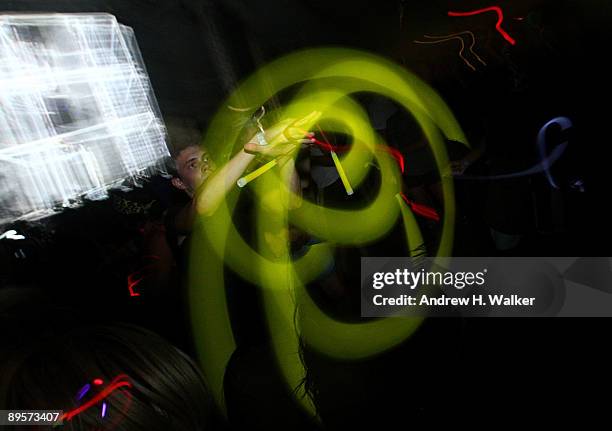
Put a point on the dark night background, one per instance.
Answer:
(480, 372)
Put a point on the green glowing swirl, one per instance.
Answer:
(326, 80)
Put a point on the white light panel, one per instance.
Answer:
(77, 112)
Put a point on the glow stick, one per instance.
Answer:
(339, 168)
(343, 177)
(256, 173)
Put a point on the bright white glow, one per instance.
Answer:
(11, 234)
(77, 112)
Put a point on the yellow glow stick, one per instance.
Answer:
(339, 168)
(256, 173)
(343, 177)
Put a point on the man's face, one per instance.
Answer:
(193, 166)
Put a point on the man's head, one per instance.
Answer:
(191, 163)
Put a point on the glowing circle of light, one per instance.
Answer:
(326, 79)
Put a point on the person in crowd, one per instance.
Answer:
(102, 375)
(205, 185)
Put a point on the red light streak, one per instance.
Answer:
(98, 382)
(395, 153)
(500, 19)
(327, 146)
(133, 281)
(117, 383)
(324, 137)
(422, 210)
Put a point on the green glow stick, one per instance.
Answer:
(343, 177)
(256, 173)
